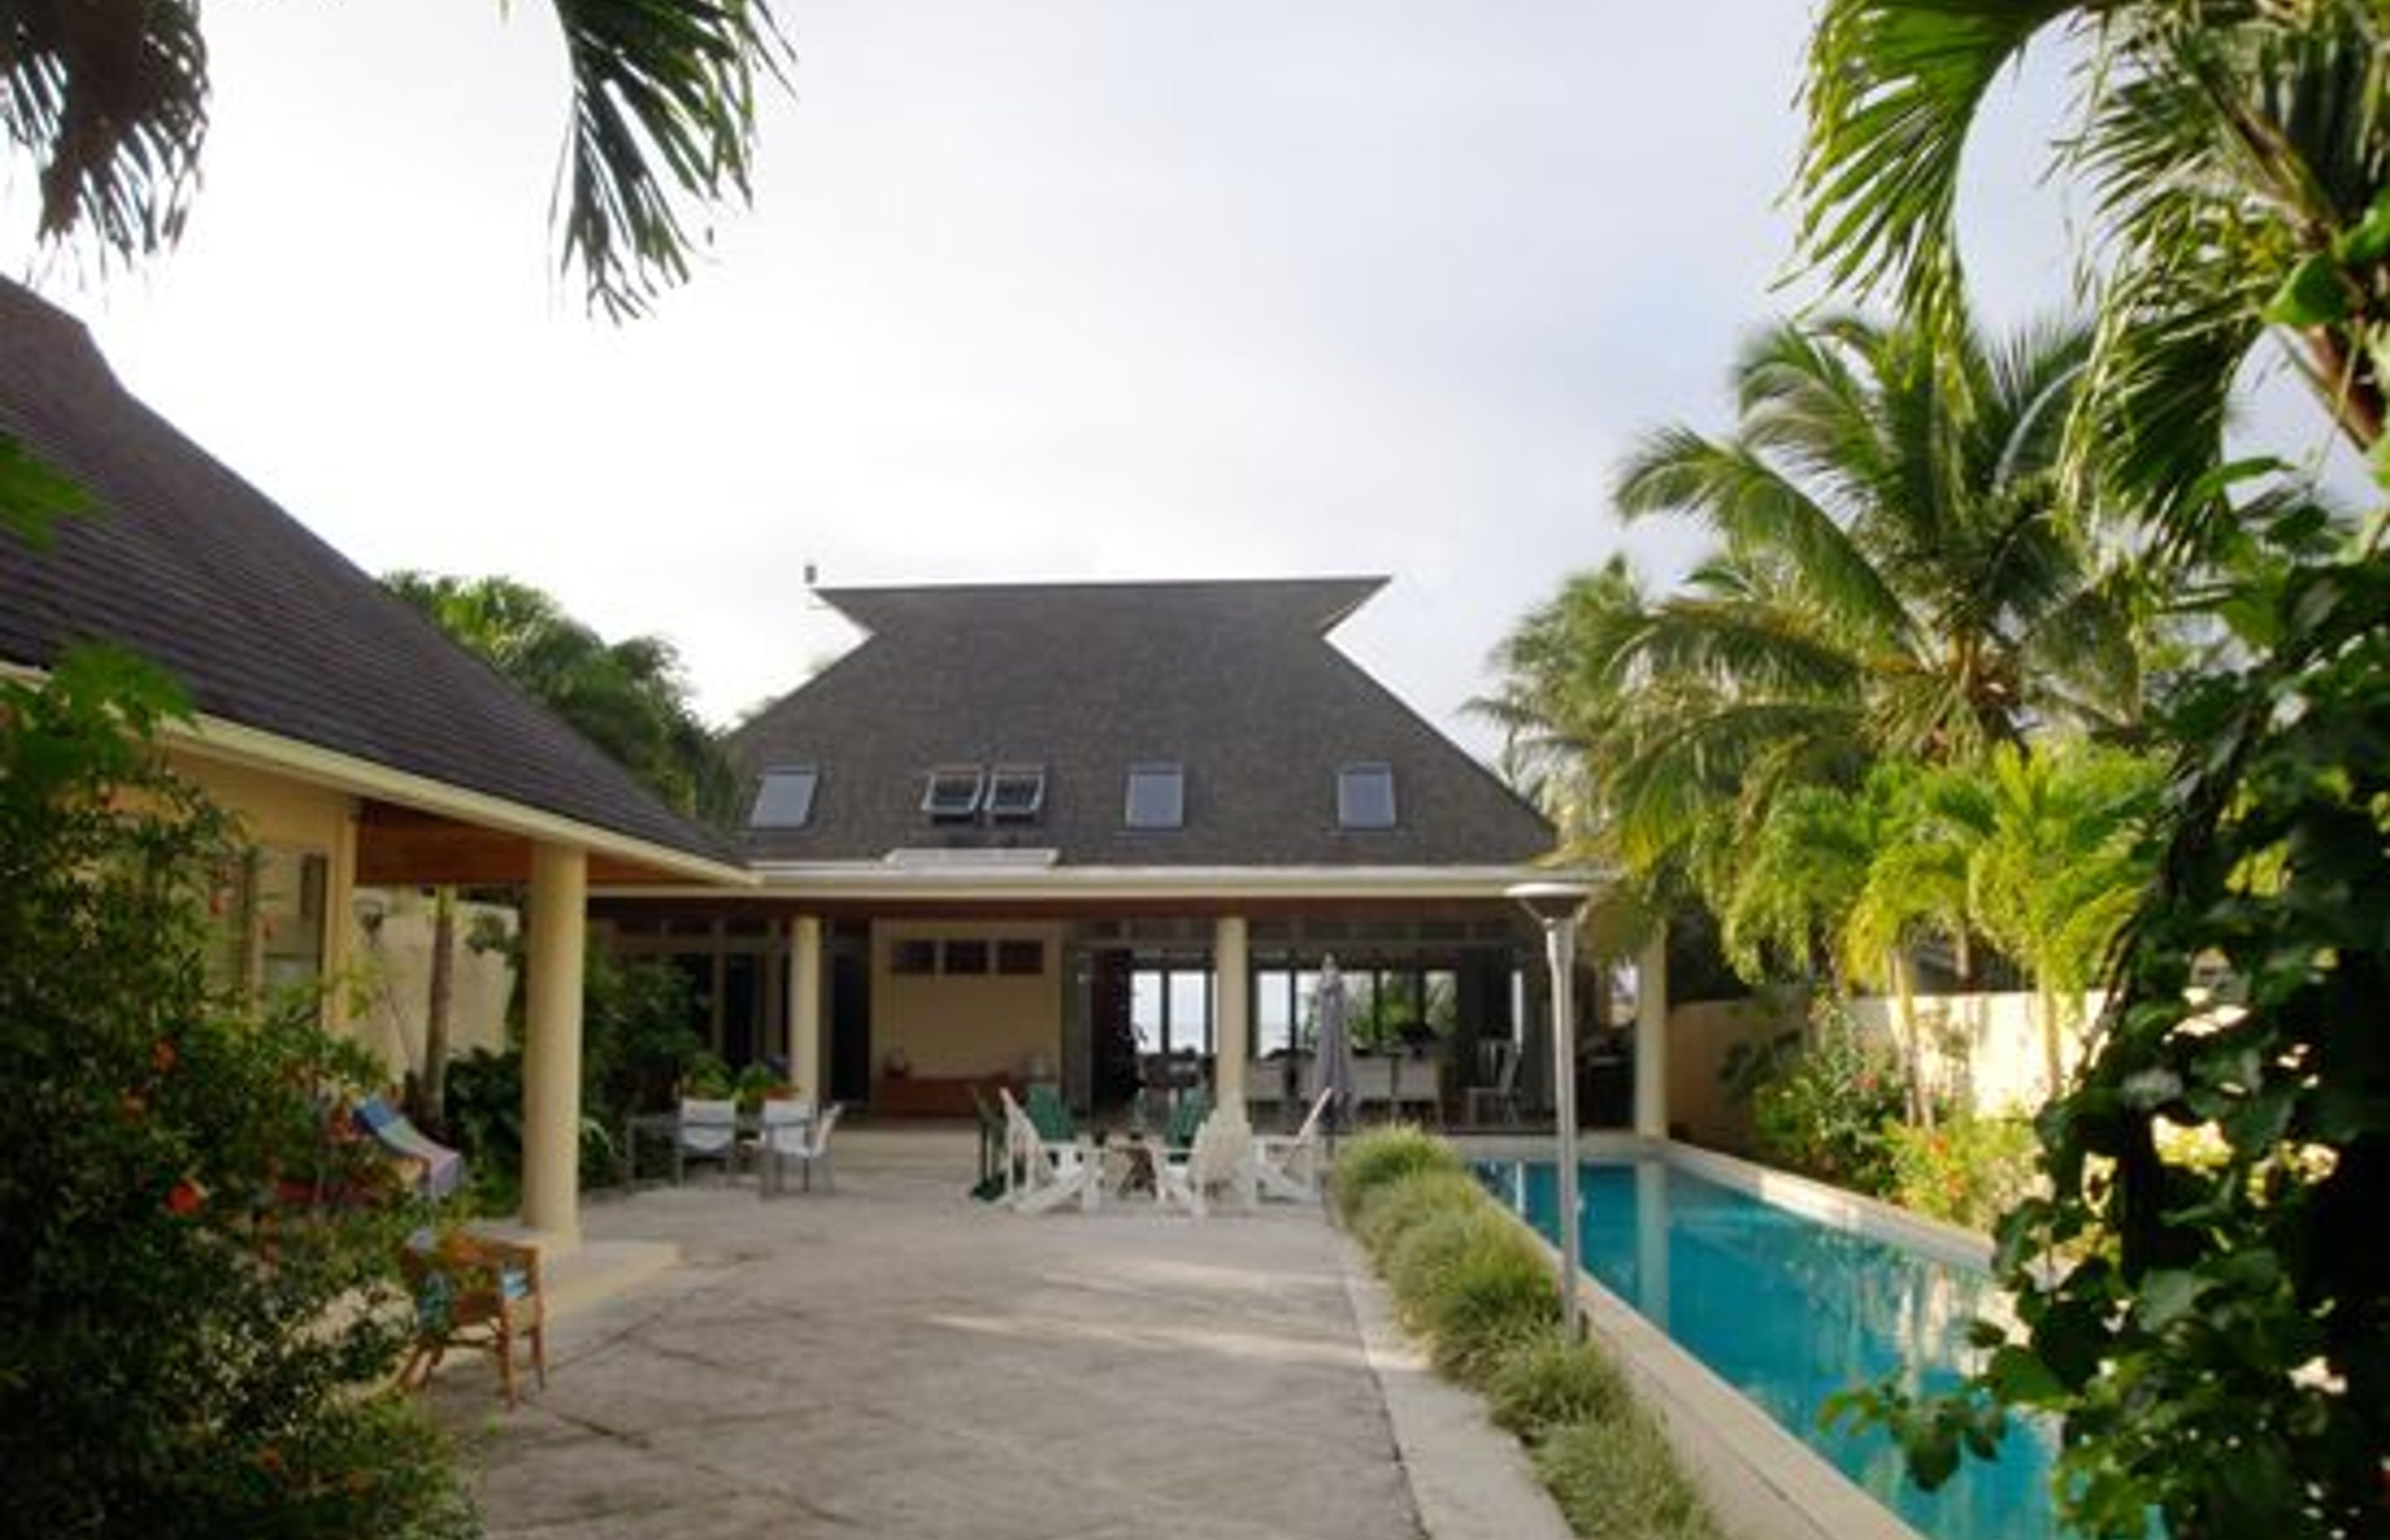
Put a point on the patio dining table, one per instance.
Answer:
(664, 1128)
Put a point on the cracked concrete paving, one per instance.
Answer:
(895, 1359)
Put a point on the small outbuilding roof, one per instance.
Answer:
(269, 627)
(1233, 684)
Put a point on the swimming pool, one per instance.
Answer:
(1788, 1311)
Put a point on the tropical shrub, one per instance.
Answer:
(1822, 1110)
(199, 1307)
(1968, 1170)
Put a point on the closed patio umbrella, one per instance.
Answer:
(1332, 1063)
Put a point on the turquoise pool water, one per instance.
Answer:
(1788, 1311)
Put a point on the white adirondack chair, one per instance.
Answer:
(1286, 1166)
(1220, 1160)
(1041, 1175)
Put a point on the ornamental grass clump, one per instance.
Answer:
(1549, 1382)
(1384, 1157)
(1616, 1479)
(1393, 1212)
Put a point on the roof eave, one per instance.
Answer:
(236, 743)
(851, 880)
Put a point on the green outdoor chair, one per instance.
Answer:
(1186, 1117)
(1052, 1118)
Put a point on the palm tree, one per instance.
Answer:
(109, 100)
(2240, 167)
(2060, 866)
(1895, 574)
(627, 696)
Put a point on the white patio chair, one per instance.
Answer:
(1286, 1166)
(1501, 1059)
(708, 1130)
(1041, 1173)
(1219, 1162)
(791, 1132)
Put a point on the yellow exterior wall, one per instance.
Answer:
(974, 1025)
(282, 810)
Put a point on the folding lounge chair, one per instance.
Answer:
(1043, 1173)
(1286, 1166)
(442, 1167)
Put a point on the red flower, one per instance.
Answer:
(185, 1198)
(162, 1055)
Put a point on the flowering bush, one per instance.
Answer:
(190, 1337)
(1969, 1171)
(1821, 1107)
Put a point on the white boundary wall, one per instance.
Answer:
(1984, 1049)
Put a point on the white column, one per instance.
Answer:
(1232, 995)
(551, 1113)
(804, 1006)
(1651, 1036)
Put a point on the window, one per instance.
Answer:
(1365, 796)
(954, 793)
(1022, 959)
(1156, 795)
(913, 958)
(965, 957)
(785, 798)
(1016, 793)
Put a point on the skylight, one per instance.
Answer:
(1365, 796)
(1016, 793)
(953, 795)
(1156, 795)
(785, 797)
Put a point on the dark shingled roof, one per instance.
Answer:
(1235, 681)
(266, 625)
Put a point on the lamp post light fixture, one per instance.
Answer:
(1557, 906)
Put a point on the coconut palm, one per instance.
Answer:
(1894, 574)
(627, 696)
(109, 100)
(2237, 158)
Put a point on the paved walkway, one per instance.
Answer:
(894, 1359)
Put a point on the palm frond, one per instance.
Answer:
(1892, 88)
(664, 103)
(110, 99)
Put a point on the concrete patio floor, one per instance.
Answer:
(895, 1359)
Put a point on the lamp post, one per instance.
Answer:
(1556, 906)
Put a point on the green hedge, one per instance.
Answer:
(1470, 1280)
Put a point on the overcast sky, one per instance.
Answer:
(1080, 289)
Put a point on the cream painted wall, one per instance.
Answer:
(393, 972)
(976, 1024)
(1985, 1049)
(284, 811)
